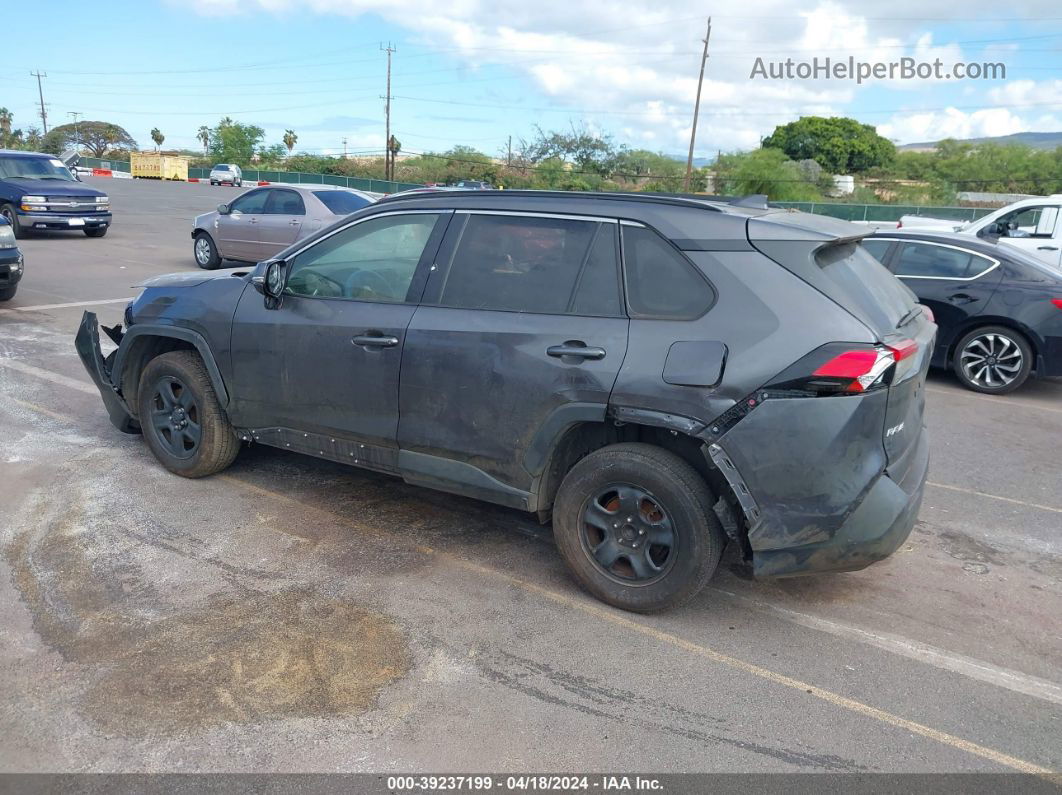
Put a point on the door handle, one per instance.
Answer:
(375, 341)
(253, 221)
(575, 348)
(962, 298)
(1047, 248)
(294, 222)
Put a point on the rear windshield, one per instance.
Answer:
(341, 202)
(867, 283)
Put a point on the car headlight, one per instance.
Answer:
(103, 200)
(7, 237)
(34, 199)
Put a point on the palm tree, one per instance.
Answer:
(204, 136)
(157, 137)
(290, 139)
(5, 126)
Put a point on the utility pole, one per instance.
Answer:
(509, 154)
(696, 109)
(77, 134)
(40, 91)
(344, 148)
(388, 165)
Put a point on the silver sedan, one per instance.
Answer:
(261, 222)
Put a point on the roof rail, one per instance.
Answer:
(702, 203)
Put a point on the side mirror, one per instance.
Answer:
(271, 284)
(223, 209)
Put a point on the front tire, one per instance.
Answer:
(98, 231)
(181, 418)
(993, 360)
(8, 293)
(635, 524)
(205, 252)
(8, 211)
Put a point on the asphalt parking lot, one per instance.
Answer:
(295, 615)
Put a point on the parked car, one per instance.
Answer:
(258, 224)
(999, 309)
(37, 191)
(11, 262)
(1033, 225)
(472, 184)
(226, 174)
(634, 366)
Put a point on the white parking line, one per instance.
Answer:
(48, 375)
(67, 306)
(1010, 403)
(961, 490)
(915, 650)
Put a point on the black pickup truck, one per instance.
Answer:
(37, 191)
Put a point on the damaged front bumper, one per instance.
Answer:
(87, 343)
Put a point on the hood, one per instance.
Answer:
(53, 187)
(192, 278)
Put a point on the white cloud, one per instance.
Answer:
(637, 59)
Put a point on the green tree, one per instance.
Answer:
(204, 136)
(766, 171)
(290, 139)
(157, 137)
(99, 137)
(840, 145)
(233, 142)
(6, 118)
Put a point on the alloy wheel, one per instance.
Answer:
(628, 535)
(175, 417)
(202, 250)
(991, 360)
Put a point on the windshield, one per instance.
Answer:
(341, 202)
(34, 168)
(222, 168)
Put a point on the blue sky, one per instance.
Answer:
(475, 72)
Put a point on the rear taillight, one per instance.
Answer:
(899, 224)
(1057, 302)
(853, 371)
(928, 313)
(842, 368)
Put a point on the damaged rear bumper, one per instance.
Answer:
(817, 494)
(87, 343)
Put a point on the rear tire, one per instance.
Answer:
(205, 252)
(8, 211)
(180, 416)
(648, 512)
(993, 360)
(99, 231)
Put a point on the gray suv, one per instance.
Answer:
(660, 376)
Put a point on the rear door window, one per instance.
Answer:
(661, 282)
(533, 264)
(285, 202)
(928, 260)
(341, 202)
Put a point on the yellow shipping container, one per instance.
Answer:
(155, 165)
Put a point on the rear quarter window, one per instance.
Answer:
(866, 282)
(661, 282)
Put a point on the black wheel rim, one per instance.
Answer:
(175, 418)
(628, 534)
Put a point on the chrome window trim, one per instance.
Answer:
(532, 214)
(995, 262)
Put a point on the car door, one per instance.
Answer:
(521, 331)
(1036, 230)
(237, 230)
(955, 282)
(280, 224)
(320, 373)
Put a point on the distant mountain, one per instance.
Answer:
(1037, 140)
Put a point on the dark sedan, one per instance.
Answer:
(999, 309)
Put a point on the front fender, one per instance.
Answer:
(173, 332)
